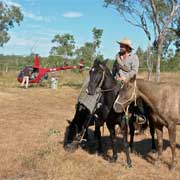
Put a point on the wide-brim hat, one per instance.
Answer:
(126, 42)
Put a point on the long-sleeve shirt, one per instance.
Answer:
(131, 62)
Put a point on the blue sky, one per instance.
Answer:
(43, 19)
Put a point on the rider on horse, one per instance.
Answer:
(126, 66)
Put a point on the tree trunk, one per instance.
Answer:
(158, 68)
(7, 68)
(158, 64)
(149, 74)
(149, 61)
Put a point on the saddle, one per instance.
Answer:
(139, 117)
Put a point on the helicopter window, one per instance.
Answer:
(29, 68)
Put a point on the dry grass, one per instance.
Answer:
(32, 125)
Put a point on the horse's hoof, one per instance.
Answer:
(105, 157)
(153, 151)
(131, 150)
(113, 159)
(100, 152)
(129, 163)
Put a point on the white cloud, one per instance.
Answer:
(32, 16)
(72, 14)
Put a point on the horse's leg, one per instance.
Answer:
(131, 129)
(159, 132)
(172, 139)
(97, 134)
(152, 132)
(111, 128)
(124, 128)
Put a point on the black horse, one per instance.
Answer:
(101, 77)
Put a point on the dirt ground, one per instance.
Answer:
(32, 126)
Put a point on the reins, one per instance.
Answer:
(86, 123)
(101, 82)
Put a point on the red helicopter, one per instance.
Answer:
(38, 74)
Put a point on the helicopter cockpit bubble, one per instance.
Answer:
(26, 68)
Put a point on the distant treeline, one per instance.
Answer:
(14, 62)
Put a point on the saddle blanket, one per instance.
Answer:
(89, 101)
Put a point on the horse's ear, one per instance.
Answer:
(105, 62)
(132, 79)
(96, 62)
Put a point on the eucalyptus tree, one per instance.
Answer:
(65, 45)
(9, 16)
(88, 52)
(154, 17)
(97, 34)
(177, 32)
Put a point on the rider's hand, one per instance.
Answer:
(121, 79)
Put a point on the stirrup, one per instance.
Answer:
(140, 119)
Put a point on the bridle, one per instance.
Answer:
(99, 88)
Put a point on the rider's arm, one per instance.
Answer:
(134, 67)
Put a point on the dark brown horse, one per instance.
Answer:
(164, 103)
(102, 80)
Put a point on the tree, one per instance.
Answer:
(141, 54)
(86, 53)
(9, 15)
(156, 14)
(65, 45)
(177, 32)
(88, 50)
(97, 34)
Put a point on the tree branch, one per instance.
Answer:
(131, 22)
(155, 15)
(169, 18)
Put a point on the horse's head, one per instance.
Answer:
(97, 75)
(127, 95)
(75, 127)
